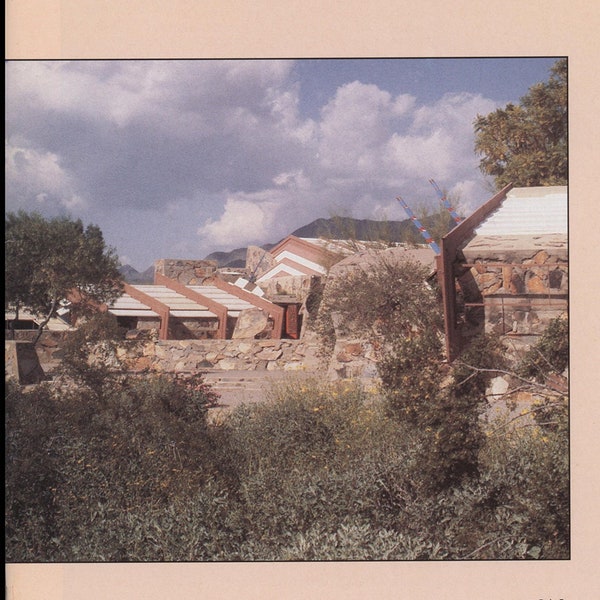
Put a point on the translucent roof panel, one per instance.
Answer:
(231, 302)
(170, 298)
(126, 302)
(178, 304)
(528, 211)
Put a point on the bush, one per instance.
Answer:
(550, 354)
(315, 472)
(442, 404)
(88, 356)
(390, 298)
(527, 470)
(73, 457)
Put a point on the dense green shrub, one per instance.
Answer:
(88, 352)
(74, 456)
(443, 405)
(315, 472)
(395, 305)
(527, 472)
(390, 297)
(412, 374)
(550, 354)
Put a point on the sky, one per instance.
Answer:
(181, 158)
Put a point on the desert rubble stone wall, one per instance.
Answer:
(227, 355)
(521, 294)
(187, 272)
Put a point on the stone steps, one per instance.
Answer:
(246, 381)
(247, 385)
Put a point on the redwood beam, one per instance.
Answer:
(156, 305)
(215, 307)
(276, 312)
(450, 245)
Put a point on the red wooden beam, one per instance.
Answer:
(276, 312)
(156, 305)
(450, 245)
(215, 307)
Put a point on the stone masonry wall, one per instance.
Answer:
(226, 355)
(522, 297)
(187, 272)
(193, 355)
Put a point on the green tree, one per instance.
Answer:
(48, 260)
(526, 144)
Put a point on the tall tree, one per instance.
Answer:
(526, 144)
(47, 261)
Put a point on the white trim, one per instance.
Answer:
(305, 262)
(279, 269)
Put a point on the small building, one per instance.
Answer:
(207, 310)
(293, 269)
(295, 256)
(504, 269)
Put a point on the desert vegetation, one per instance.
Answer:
(112, 467)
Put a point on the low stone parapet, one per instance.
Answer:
(226, 355)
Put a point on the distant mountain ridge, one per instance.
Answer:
(132, 275)
(357, 229)
(235, 259)
(333, 228)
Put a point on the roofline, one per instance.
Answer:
(314, 248)
(288, 262)
(466, 227)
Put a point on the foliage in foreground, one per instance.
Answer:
(316, 472)
(49, 260)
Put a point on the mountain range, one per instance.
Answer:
(333, 228)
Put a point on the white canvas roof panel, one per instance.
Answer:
(132, 313)
(126, 302)
(231, 302)
(171, 299)
(192, 313)
(528, 211)
(301, 260)
(280, 270)
(178, 304)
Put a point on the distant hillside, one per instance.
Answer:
(357, 229)
(368, 230)
(131, 275)
(236, 259)
(347, 228)
(334, 228)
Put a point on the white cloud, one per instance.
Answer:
(242, 222)
(355, 126)
(223, 143)
(37, 179)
